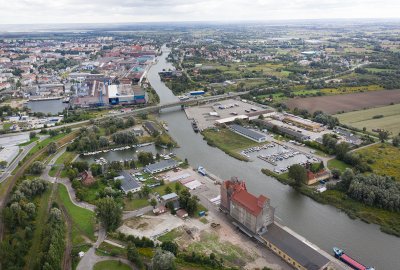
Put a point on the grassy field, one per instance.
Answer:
(228, 141)
(82, 218)
(111, 265)
(351, 89)
(364, 118)
(171, 235)
(65, 157)
(384, 159)
(134, 204)
(337, 164)
(231, 254)
(29, 142)
(108, 249)
(46, 142)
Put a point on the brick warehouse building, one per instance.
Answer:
(254, 213)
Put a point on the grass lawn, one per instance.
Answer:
(40, 221)
(171, 235)
(337, 164)
(228, 141)
(66, 157)
(46, 142)
(134, 204)
(161, 189)
(30, 141)
(390, 118)
(111, 265)
(110, 250)
(53, 171)
(82, 218)
(384, 159)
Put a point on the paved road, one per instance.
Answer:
(139, 212)
(90, 258)
(20, 156)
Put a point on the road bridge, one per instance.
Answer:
(183, 103)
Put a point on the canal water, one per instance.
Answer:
(53, 106)
(321, 224)
(125, 154)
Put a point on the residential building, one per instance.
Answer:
(128, 182)
(171, 198)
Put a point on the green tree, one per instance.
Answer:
(163, 260)
(341, 150)
(383, 135)
(51, 148)
(396, 141)
(153, 202)
(133, 255)
(109, 212)
(177, 187)
(298, 173)
(37, 167)
(170, 246)
(168, 190)
(32, 134)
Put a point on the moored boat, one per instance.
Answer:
(339, 253)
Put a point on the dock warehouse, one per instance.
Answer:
(248, 133)
(161, 166)
(293, 250)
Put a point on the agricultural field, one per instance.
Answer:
(384, 159)
(387, 118)
(346, 103)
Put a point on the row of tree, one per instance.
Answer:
(19, 220)
(53, 242)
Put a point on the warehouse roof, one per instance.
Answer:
(161, 166)
(247, 132)
(295, 248)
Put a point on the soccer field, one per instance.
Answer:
(365, 118)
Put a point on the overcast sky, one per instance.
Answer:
(100, 11)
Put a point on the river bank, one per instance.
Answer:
(324, 225)
(389, 222)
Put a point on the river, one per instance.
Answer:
(321, 224)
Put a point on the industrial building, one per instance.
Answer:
(248, 133)
(254, 213)
(161, 166)
(296, 252)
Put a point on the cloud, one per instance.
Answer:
(109, 11)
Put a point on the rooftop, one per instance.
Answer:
(249, 201)
(295, 248)
(248, 132)
(128, 182)
(162, 165)
(169, 196)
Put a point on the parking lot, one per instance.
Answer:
(278, 158)
(206, 115)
